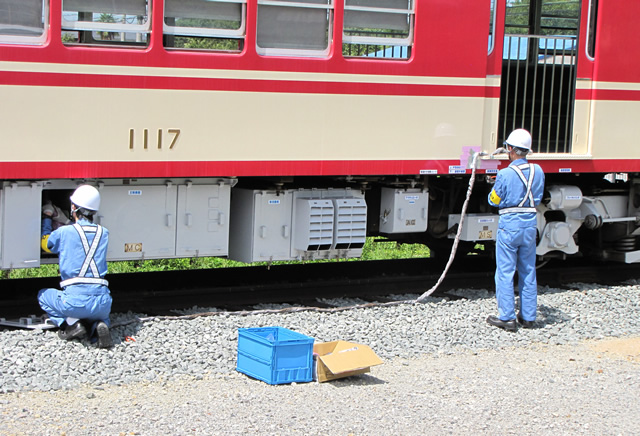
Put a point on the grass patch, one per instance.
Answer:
(376, 248)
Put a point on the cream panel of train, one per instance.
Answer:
(279, 129)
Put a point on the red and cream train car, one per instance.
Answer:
(292, 129)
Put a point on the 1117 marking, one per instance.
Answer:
(145, 138)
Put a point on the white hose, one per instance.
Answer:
(454, 248)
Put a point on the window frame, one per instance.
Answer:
(27, 39)
(207, 32)
(408, 41)
(329, 6)
(94, 26)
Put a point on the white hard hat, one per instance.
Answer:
(519, 138)
(86, 197)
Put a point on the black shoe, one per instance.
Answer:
(507, 325)
(74, 331)
(525, 324)
(104, 336)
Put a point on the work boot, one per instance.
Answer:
(73, 331)
(507, 325)
(104, 335)
(524, 323)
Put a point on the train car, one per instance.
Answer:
(268, 130)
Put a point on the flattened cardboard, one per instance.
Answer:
(31, 322)
(340, 359)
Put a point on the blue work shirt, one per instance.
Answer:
(68, 244)
(510, 190)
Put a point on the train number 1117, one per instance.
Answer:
(148, 142)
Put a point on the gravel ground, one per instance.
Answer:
(446, 371)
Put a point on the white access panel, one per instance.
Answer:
(403, 210)
(476, 227)
(141, 220)
(261, 225)
(203, 220)
(20, 220)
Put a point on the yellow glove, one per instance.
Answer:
(43, 243)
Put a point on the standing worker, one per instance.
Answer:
(82, 247)
(517, 192)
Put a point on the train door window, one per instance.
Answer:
(593, 21)
(543, 17)
(106, 22)
(492, 26)
(205, 24)
(539, 72)
(23, 21)
(378, 28)
(300, 27)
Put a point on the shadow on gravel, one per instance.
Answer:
(548, 315)
(357, 380)
(126, 333)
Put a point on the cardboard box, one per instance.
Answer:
(340, 359)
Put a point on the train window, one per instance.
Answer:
(300, 27)
(492, 25)
(560, 17)
(516, 20)
(23, 21)
(378, 28)
(205, 24)
(543, 17)
(593, 21)
(112, 22)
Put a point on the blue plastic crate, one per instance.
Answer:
(275, 355)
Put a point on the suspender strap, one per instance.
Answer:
(527, 182)
(89, 251)
(89, 262)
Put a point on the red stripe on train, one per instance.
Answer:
(284, 86)
(608, 94)
(243, 85)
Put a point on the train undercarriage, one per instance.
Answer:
(266, 220)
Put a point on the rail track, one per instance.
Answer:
(159, 293)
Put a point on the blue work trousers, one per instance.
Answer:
(516, 249)
(90, 303)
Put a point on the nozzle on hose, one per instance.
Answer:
(500, 150)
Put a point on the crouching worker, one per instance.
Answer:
(82, 249)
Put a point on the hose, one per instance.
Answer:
(456, 240)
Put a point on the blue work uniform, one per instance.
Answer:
(517, 192)
(85, 295)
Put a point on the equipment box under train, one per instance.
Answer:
(476, 227)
